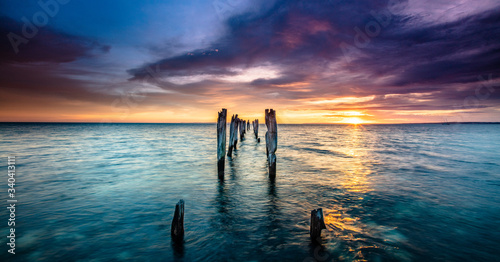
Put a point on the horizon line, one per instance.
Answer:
(206, 123)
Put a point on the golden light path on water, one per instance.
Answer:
(349, 162)
(354, 169)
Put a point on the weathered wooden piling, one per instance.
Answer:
(317, 224)
(242, 128)
(256, 128)
(233, 135)
(271, 140)
(177, 230)
(221, 140)
(248, 124)
(237, 122)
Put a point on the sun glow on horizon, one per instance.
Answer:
(354, 120)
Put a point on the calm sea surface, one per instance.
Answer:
(107, 192)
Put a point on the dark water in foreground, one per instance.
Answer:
(389, 192)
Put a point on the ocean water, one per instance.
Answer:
(107, 192)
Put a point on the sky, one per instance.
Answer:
(328, 61)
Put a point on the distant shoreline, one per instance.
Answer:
(214, 123)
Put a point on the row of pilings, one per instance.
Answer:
(240, 126)
(317, 220)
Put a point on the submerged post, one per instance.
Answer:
(177, 230)
(233, 135)
(248, 124)
(317, 224)
(271, 140)
(221, 140)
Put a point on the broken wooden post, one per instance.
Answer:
(256, 128)
(233, 135)
(236, 126)
(242, 129)
(317, 224)
(248, 124)
(221, 140)
(271, 140)
(177, 230)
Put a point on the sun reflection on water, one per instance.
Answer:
(356, 169)
(351, 164)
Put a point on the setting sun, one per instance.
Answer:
(353, 120)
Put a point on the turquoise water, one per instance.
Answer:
(107, 192)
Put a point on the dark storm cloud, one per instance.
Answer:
(454, 52)
(37, 69)
(284, 80)
(46, 45)
(302, 37)
(194, 63)
(47, 81)
(289, 34)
